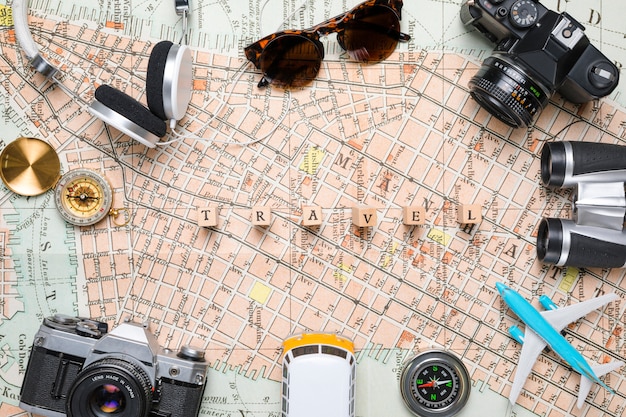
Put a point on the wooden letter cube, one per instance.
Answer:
(414, 216)
(469, 214)
(364, 216)
(261, 216)
(207, 216)
(311, 216)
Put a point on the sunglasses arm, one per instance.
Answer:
(337, 24)
(394, 34)
(404, 37)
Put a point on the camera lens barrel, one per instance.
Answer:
(506, 91)
(110, 386)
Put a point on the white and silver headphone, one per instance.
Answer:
(168, 83)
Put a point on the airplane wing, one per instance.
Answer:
(586, 383)
(531, 348)
(563, 316)
(533, 344)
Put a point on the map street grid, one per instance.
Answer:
(400, 133)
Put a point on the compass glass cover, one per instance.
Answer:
(435, 384)
(83, 197)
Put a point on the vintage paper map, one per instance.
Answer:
(401, 133)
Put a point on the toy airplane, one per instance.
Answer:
(543, 328)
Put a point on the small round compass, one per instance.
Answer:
(83, 197)
(29, 166)
(435, 384)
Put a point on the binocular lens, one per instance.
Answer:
(564, 243)
(553, 164)
(507, 92)
(549, 241)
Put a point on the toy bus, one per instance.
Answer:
(319, 372)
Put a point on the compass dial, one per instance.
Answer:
(83, 197)
(435, 384)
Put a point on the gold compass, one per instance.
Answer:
(29, 166)
(84, 197)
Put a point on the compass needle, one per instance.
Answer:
(435, 384)
(83, 197)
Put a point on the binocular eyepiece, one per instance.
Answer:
(595, 236)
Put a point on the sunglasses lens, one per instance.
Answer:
(372, 35)
(291, 61)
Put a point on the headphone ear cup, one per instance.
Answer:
(169, 80)
(154, 78)
(127, 115)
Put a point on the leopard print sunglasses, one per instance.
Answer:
(292, 58)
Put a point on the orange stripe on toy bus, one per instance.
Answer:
(306, 339)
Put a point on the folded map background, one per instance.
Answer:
(403, 132)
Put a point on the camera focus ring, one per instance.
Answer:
(507, 92)
(110, 386)
(502, 97)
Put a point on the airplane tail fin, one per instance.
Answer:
(586, 381)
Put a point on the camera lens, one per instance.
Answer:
(108, 387)
(109, 399)
(507, 92)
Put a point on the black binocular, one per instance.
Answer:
(595, 237)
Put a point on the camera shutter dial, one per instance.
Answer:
(524, 14)
(191, 353)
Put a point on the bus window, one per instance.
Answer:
(318, 375)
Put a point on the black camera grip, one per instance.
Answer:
(179, 399)
(584, 158)
(48, 378)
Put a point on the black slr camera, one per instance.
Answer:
(538, 52)
(76, 368)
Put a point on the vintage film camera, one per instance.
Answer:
(538, 52)
(595, 237)
(78, 369)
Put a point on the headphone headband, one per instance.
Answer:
(168, 84)
(26, 41)
(182, 6)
